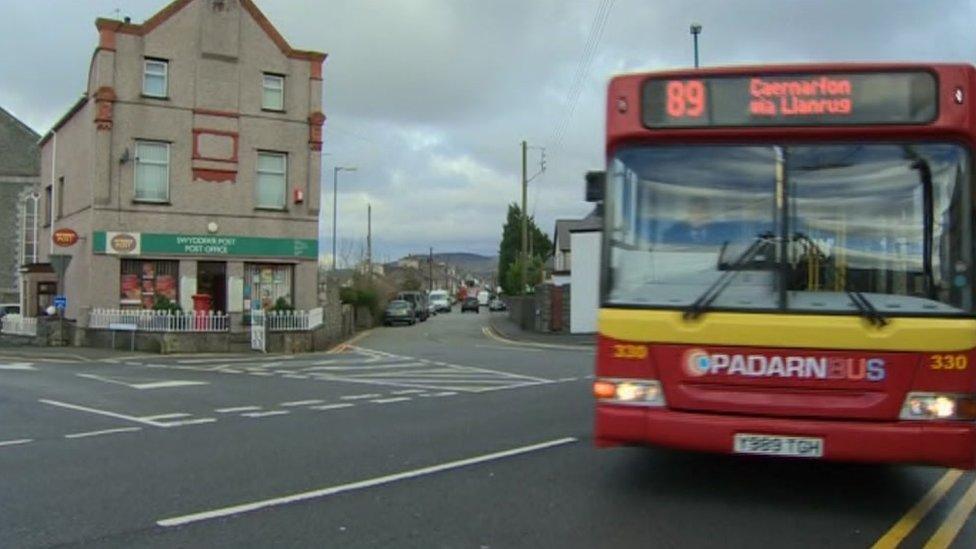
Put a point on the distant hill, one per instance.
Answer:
(473, 263)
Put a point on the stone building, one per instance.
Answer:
(189, 166)
(18, 176)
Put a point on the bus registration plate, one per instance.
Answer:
(774, 445)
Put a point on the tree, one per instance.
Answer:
(411, 283)
(510, 248)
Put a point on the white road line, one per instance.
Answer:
(360, 397)
(302, 402)
(444, 394)
(389, 400)
(262, 374)
(165, 416)
(188, 422)
(230, 371)
(237, 409)
(565, 379)
(101, 412)
(167, 384)
(332, 406)
(266, 414)
(103, 432)
(144, 386)
(15, 442)
(407, 392)
(17, 366)
(360, 485)
(295, 376)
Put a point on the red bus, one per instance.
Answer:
(788, 263)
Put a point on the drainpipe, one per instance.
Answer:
(54, 193)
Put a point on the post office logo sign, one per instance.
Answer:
(123, 243)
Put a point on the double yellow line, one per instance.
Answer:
(949, 528)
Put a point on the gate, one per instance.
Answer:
(556, 308)
(259, 331)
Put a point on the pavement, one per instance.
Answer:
(434, 435)
(504, 327)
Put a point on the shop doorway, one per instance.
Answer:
(212, 280)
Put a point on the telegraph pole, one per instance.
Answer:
(430, 271)
(369, 242)
(523, 276)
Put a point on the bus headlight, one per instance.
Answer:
(923, 405)
(641, 392)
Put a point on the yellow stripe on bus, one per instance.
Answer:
(789, 330)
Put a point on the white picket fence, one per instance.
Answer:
(160, 321)
(18, 325)
(293, 321)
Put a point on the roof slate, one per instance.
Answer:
(19, 154)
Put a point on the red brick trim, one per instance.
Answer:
(162, 15)
(196, 145)
(212, 112)
(106, 39)
(212, 175)
(315, 122)
(104, 99)
(316, 73)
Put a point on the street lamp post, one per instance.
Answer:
(696, 29)
(335, 209)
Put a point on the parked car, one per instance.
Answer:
(439, 299)
(470, 304)
(496, 304)
(419, 302)
(9, 309)
(399, 311)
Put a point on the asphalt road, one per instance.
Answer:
(435, 435)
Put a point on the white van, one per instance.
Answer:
(483, 297)
(440, 301)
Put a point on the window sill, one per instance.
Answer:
(152, 202)
(270, 209)
(276, 111)
(156, 97)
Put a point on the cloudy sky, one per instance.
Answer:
(430, 98)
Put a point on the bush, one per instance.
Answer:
(281, 305)
(162, 303)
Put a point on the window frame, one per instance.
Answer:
(284, 179)
(264, 89)
(135, 172)
(146, 61)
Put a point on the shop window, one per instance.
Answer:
(144, 283)
(265, 284)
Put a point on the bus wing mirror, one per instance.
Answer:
(595, 185)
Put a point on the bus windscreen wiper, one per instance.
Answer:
(867, 310)
(707, 297)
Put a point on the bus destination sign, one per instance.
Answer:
(908, 97)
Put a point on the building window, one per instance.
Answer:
(271, 181)
(155, 73)
(152, 171)
(273, 96)
(60, 202)
(267, 283)
(48, 205)
(146, 284)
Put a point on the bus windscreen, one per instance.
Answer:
(908, 97)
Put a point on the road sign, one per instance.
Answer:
(61, 302)
(59, 263)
